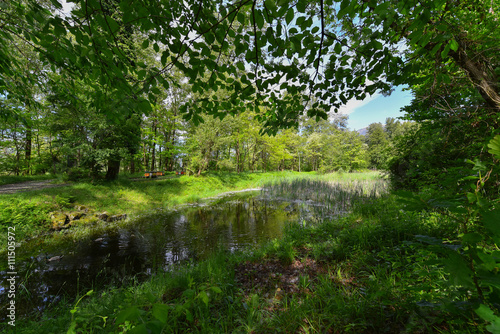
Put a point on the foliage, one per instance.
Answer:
(354, 49)
(435, 150)
(472, 260)
(377, 142)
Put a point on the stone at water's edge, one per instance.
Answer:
(116, 217)
(61, 220)
(102, 216)
(82, 208)
(76, 215)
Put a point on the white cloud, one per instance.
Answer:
(353, 104)
(67, 7)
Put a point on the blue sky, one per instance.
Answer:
(376, 108)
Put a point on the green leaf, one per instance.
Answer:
(204, 297)
(241, 18)
(338, 48)
(382, 8)
(485, 313)
(161, 311)
(489, 261)
(145, 44)
(435, 49)
(56, 4)
(457, 266)
(301, 6)
(164, 57)
(129, 314)
(209, 37)
(454, 45)
(472, 238)
(141, 329)
(259, 19)
(72, 327)
(491, 221)
(289, 16)
(494, 146)
(240, 65)
(189, 316)
(471, 197)
(270, 4)
(216, 289)
(141, 74)
(344, 7)
(425, 40)
(444, 53)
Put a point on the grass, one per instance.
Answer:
(361, 273)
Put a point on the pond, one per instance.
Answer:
(153, 242)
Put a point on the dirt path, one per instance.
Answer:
(27, 186)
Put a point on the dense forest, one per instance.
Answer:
(92, 90)
(71, 146)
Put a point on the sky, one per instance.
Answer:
(376, 108)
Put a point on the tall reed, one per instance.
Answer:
(338, 194)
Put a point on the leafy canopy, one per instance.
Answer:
(321, 53)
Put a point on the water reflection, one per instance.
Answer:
(156, 241)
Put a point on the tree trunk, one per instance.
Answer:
(16, 168)
(485, 81)
(27, 150)
(132, 166)
(38, 148)
(93, 166)
(146, 164)
(153, 156)
(113, 167)
(53, 158)
(173, 143)
(238, 156)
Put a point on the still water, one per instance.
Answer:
(153, 242)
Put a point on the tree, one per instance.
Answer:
(376, 139)
(353, 50)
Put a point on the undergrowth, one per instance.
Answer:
(364, 272)
(369, 271)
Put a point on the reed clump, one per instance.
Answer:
(336, 194)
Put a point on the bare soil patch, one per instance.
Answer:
(28, 186)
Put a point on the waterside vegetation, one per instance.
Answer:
(371, 270)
